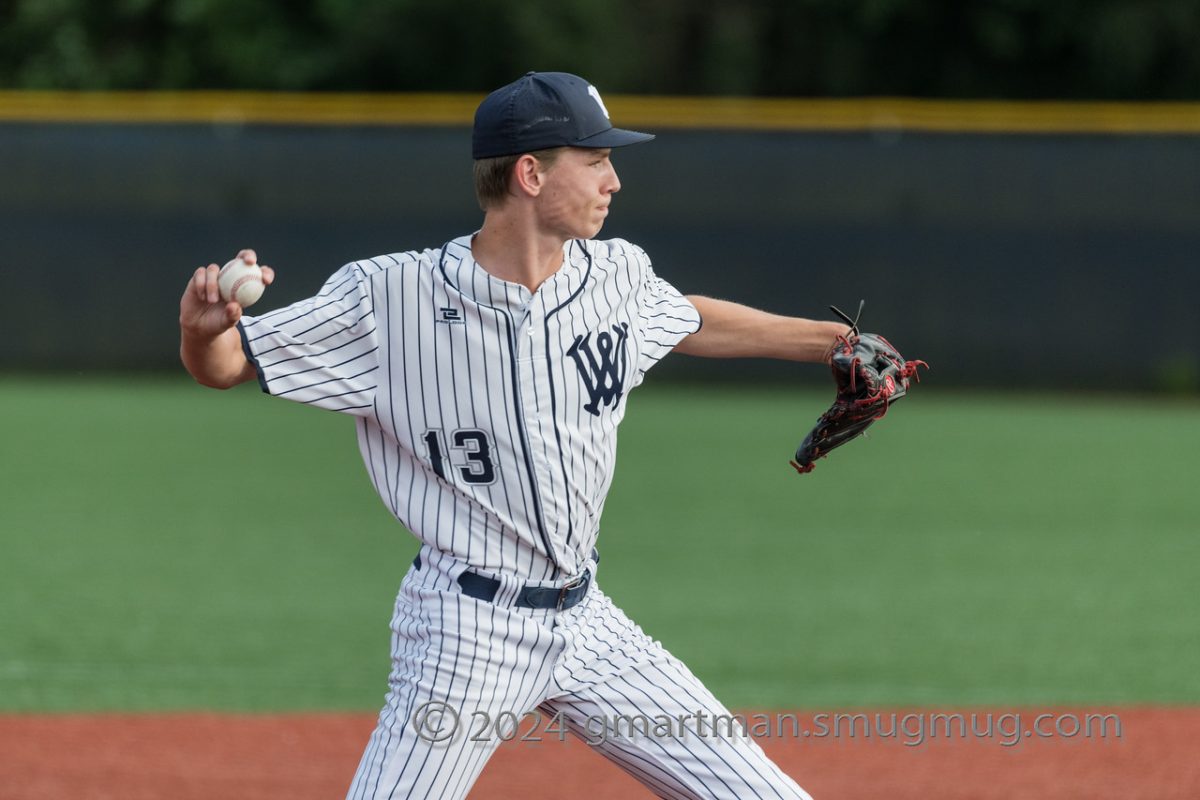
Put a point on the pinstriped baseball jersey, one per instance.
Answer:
(486, 413)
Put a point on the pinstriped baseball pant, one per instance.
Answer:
(462, 664)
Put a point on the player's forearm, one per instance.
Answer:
(215, 361)
(732, 330)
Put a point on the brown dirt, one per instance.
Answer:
(299, 756)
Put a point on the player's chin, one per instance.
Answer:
(593, 229)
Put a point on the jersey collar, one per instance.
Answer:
(464, 274)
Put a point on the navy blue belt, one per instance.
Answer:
(560, 598)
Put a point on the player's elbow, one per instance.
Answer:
(213, 383)
(207, 377)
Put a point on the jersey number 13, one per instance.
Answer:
(478, 466)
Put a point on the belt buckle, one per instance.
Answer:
(567, 587)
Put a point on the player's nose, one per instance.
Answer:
(614, 182)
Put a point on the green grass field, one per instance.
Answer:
(164, 546)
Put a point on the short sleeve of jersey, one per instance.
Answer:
(664, 316)
(321, 351)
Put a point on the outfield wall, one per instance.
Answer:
(1052, 256)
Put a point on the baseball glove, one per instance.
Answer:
(870, 375)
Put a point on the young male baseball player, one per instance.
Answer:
(488, 376)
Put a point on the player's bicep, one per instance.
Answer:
(665, 318)
(322, 351)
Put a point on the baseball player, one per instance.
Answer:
(488, 376)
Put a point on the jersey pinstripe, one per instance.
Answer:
(486, 413)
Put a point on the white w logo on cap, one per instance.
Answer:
(596, 96)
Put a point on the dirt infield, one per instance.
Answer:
(301, 756)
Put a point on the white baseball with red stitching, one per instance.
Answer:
(241, 282)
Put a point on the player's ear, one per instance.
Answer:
(528, 176)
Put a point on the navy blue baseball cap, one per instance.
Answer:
(542, 110)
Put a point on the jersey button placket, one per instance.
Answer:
(523, 317)
(535, 395)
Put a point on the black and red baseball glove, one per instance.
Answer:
(870, 375)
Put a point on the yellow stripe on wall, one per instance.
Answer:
(282, 108)
(271, 108)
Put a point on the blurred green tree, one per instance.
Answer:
(1102, 49)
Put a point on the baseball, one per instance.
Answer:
(241, 282)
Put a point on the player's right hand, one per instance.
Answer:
(202, 312)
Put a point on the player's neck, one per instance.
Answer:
(515, 252)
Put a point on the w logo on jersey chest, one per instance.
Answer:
(603, 368)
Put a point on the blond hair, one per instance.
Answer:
(492, 175)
